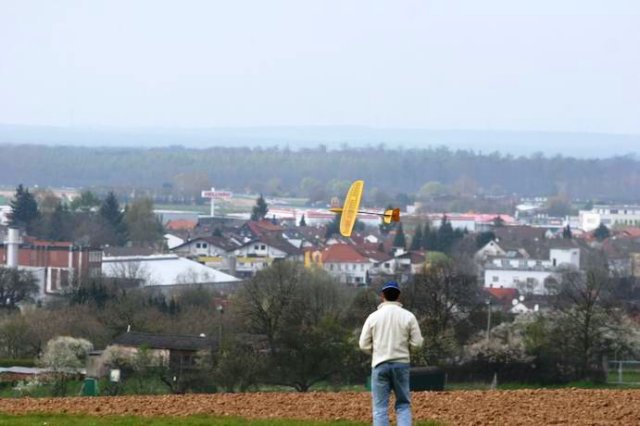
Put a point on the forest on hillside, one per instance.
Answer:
(320, 172)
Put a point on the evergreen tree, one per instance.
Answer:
(260, 210)
(24, 209)
(400, 239)
(483, 238)
(602, 232)
(429, 238)
(333, 227)
(113, 217)
(416, 241)
(498, 222)
(566, 233)
(303, 222)
(446, 235)
(59, 224)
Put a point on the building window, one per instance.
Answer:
(495, 279)
(263, 247)
(255, 247)
(198, 245)
(204, 245)
(387, 265)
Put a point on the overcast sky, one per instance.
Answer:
(551, 65)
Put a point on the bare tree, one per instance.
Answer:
(301, 312)
(16, 286)
(131, 271)
(441, 296)
(584, 301)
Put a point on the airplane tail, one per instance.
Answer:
(391, 215)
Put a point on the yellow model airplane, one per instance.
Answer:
(351, 207)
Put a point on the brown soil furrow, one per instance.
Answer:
(522, 407)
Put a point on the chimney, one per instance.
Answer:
(13, 244)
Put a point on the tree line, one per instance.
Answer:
(297, 327)
(87, 220)
(319, 174)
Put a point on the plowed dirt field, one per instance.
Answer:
(521, 407)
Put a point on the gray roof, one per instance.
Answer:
(160, 341)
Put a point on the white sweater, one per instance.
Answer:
(388, 332)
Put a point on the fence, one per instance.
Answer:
(624, 372)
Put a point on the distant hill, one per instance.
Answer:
(318, 173)
(578, 145)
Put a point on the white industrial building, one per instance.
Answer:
(164, 271)
(610, 215)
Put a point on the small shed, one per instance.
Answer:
(177, 351)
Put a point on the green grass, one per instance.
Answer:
(584, 384)
(628, 376)
(77, 420)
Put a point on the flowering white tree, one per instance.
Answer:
(506, 345)
(65, 355)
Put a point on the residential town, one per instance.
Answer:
(220, 252)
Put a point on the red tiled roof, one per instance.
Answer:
(503, 293)
(262, 226)
(180, 224)
(342, 253)
(630, 232)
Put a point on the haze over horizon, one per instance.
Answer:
(535, 66)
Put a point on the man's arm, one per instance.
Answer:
(415, 337)
(366, 338)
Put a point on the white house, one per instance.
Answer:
(525, 280)
(173, 241)
(529, 275)
(206, 246)
(345, 263)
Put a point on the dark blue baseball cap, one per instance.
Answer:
(390, 284)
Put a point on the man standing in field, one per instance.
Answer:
(387, 334)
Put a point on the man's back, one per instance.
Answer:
(389, 332)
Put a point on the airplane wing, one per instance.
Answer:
(351, 207)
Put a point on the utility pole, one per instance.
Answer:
(488, 302)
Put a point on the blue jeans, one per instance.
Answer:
(384, 378)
